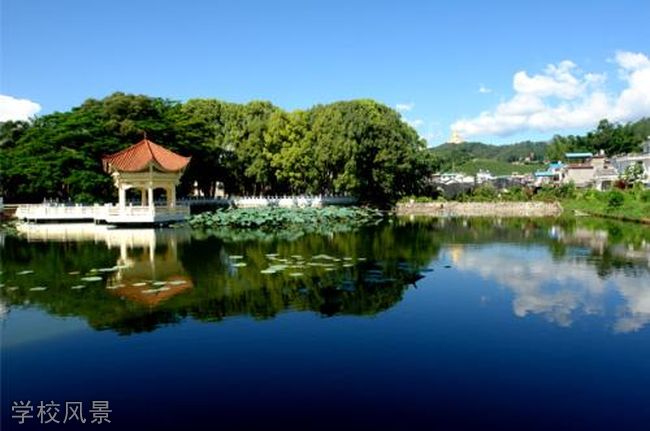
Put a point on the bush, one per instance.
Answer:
(591, 195)
(615, 199)
(415, 199)
(485, 192)
(644, 195)
(517, 194)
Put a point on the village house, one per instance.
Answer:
(623, 162)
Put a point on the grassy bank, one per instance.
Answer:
(629, 205)
(632, 205)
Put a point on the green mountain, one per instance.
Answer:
(469, 157)
(527, 156)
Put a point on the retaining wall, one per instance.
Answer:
(481, 209)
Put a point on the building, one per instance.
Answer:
(622, 162)
(553, 174)
(146, 166)
(579, 169)
(455, 138)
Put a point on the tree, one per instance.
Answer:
(633, 174)
(357, 147)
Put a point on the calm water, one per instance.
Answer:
(434, 324)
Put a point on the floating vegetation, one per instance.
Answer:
(160, 289)
(239, 264)
(324, 219)
(12, 288)
(159, 283)
(278, 267)
(25, 272)
(74, 272)
(78, 287)
(176, 282)
(236, 257)
(117, 286)
(111, 269)
(296, 274)
(268, 271)
(38, 289)
(91, 278)
(141, 283)
(323, 256)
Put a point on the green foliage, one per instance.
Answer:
(466, 151)
(630, 204)
(470, 157)
(644, 196)
(358, 147)
(416, 199)
(615, 199)
(608, 137)
(633, 174)
(274, 218)
(497, 167)
(485, 193)
(517, 194)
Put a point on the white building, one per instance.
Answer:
(622, 162)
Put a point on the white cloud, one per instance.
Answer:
(564, 97)
(404, 107)
(17, 109)
(484, 90)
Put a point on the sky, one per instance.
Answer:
(497, 72)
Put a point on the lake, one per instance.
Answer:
(414, 324)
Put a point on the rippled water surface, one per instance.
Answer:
(421, 324)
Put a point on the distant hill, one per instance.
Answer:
(469, 157)
(497, 167)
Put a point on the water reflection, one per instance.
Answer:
(136, 280)
(587, 264)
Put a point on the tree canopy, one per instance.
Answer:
(610, 138)
(358, 147)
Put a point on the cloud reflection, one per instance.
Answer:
(560, 290)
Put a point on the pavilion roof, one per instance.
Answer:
(138, 157)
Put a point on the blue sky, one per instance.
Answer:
(428, 58)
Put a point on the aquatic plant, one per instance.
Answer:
(282, 218)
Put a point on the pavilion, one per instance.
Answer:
(146, 166)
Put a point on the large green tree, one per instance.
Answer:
(357, 147)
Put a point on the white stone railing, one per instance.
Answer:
(94, 212)
(279, 201)
(52, 211)
(49, 211)
(130, 210)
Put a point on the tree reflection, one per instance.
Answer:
(136, 280)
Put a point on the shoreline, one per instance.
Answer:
(481, 209)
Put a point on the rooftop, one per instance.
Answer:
(578, 155)
(138, 157)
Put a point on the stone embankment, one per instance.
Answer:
(481, 209)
